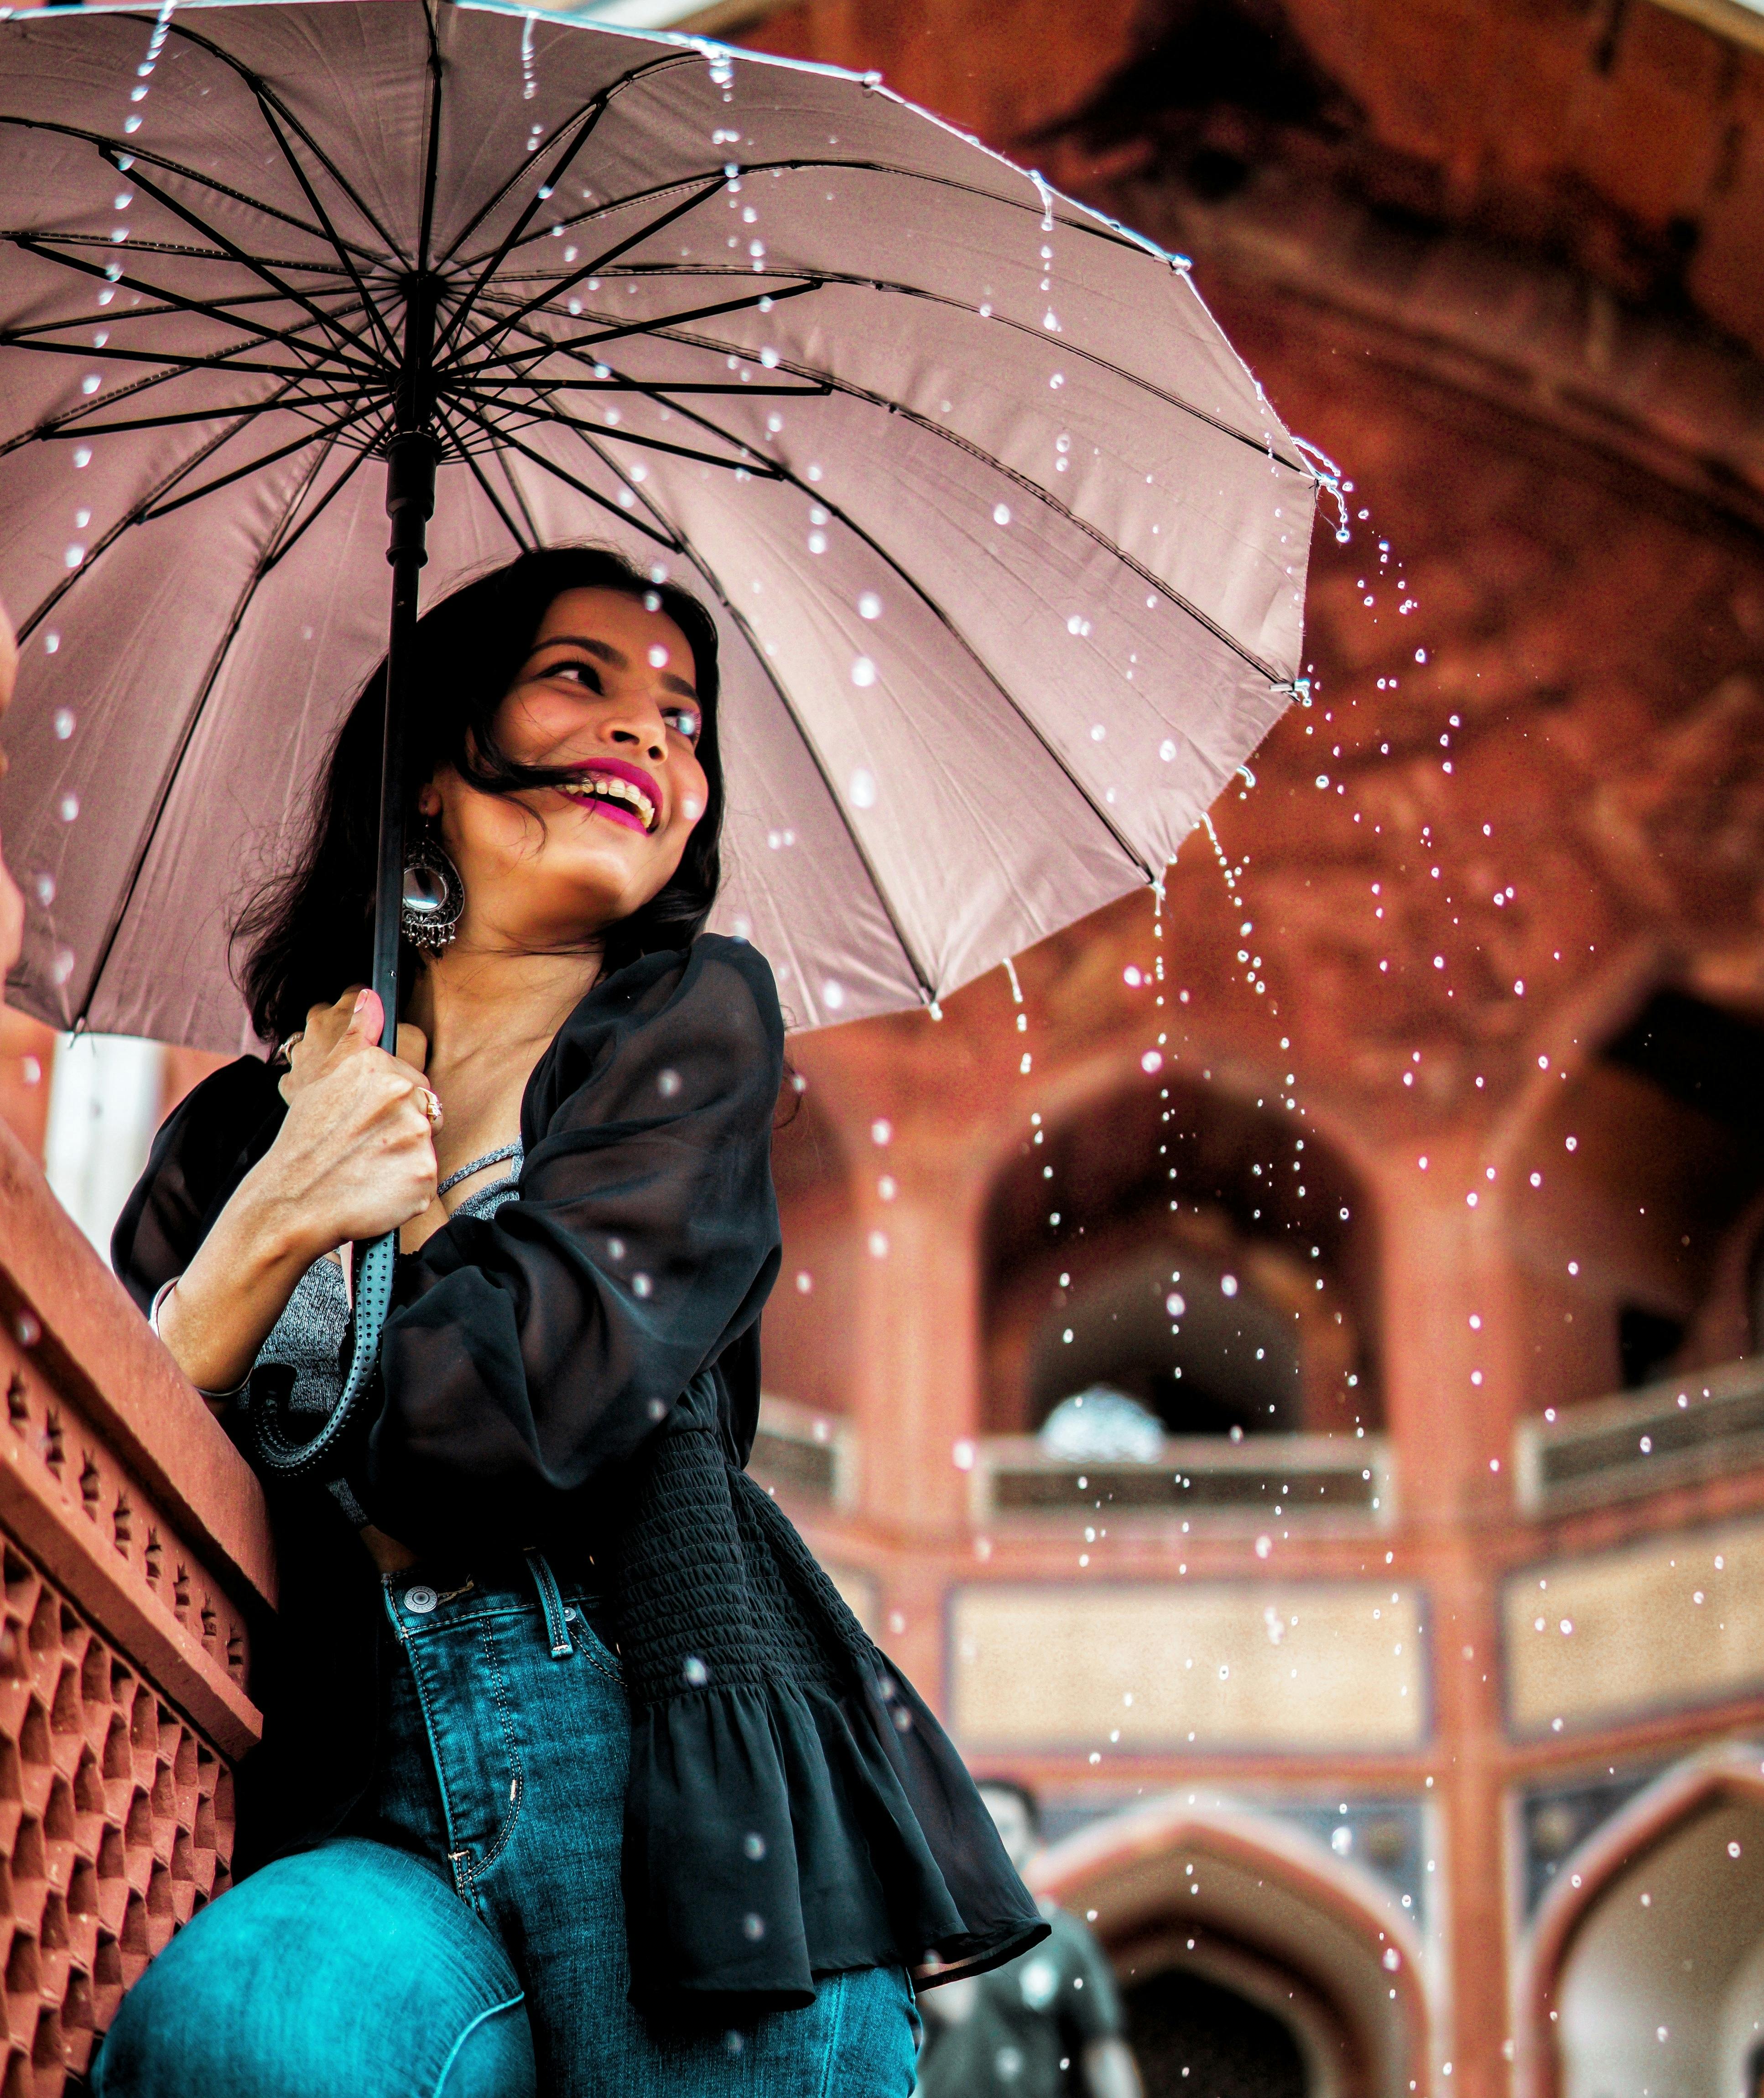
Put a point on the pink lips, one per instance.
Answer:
(620, 812)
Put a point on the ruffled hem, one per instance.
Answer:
(775, 1832)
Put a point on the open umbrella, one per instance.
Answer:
(1006, 547)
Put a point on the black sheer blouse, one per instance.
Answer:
(580, 1371)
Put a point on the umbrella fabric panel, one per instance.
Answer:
(987, 772)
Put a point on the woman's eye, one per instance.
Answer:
(584, 673)
(684, 721)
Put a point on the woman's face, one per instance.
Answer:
(607, 688)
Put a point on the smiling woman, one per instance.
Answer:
(563, 1710)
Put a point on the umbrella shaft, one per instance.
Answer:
(410, 502)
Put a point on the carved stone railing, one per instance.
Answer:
(1263, 1475)
(134, 1556)
(1704, 1425)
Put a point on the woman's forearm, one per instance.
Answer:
(227, 1300)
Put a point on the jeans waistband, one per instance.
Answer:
(419, 1599)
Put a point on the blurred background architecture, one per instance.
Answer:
(1384, 1630)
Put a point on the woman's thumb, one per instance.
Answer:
(368, 1017)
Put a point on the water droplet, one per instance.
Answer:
(667, 1084)
(1227, 1285)
(879, 1245)
(63, 723)
(74, 555)
(832, 994)
(51, 641)
(642, 1286)
(61, 966)
(754, 1844)
(27, 1329)
(82, 455)
(694, 1672)
(1151, 1061)
(658, 657)
(754, 1927)
(69, 806)
(863, 671)
(869, 606)
(1001, 514)
(43, 884)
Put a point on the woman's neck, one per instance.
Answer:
(472, 1001)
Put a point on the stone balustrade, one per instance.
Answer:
(134, 1559)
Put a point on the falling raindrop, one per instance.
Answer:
(63, 723)
(863, 671)
(1001, 514)
(69, 806)
(869, 606)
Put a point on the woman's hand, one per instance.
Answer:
(326, 1026)
(355, 1157)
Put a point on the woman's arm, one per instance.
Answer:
(354, 1157)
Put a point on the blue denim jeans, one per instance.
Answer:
(467, 1938)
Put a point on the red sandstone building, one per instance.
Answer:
(1399, 1715)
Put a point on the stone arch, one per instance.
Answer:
(1206, 1886)
(1578, 1975)
(1163, 1185)
(1638, 1253)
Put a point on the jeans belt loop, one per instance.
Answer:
(551, 1602)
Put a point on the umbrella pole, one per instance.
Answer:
(411, 455)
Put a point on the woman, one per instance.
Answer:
(576, 1776)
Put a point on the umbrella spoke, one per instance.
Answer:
(589, 269)
(268, 99)
(359, 455)
(260, 271)
(344, 255)
(593, 110)
(500, 436)
(245, 411)
(525, 543)
(176, 302)
(111, 148)
(135, 513)
(647, 326)
(749, 461)
(337, 424)
(225, 361)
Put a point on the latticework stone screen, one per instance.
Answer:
(115, 1826)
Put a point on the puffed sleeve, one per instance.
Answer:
(530, 1352)
(204, 1148)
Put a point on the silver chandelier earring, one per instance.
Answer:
(434, 897)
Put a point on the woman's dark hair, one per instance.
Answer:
(309, 930)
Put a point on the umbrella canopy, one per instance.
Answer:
(1006, 548)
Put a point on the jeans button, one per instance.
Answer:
(420, 1600)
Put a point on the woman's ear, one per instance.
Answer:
(428, 802)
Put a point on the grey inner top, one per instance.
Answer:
(308, 1337)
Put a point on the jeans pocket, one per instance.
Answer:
(587, 1618)
(468, 1706)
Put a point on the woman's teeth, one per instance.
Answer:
(603, 786)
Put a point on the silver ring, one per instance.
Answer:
(430, 1103)
(285, 1050)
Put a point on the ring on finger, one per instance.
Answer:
(285, 1050)
(430, 1103)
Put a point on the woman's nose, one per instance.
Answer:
(639, 728)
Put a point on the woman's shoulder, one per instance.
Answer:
(716, 979)
(707, 1014)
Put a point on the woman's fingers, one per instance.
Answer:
(413, 1047)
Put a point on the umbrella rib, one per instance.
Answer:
(751, 463)
(482, 479)
(647, 326)
(176, 302)
(245, 411)
(342, 254)
(588, 268)
(112, 149)
(268, 99)
(819, 494)
(595, 109)
(498, 434)
(431, 157)
(258, 270)
(336, 425)
(131, 516)
(755, 649)
(359, 456)
(169, 775)
(1096, 536)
